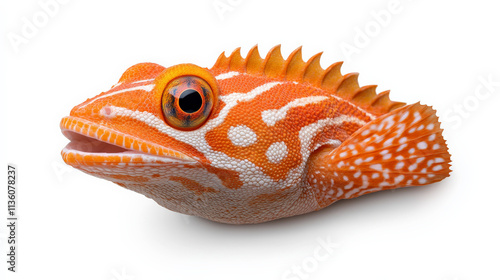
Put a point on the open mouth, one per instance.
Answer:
(93, 144)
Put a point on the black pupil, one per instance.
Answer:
(190, 101)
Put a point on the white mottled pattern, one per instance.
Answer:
(195, 137)
(136, 82)
(241, 135)
(145, 158)
(250, 174)
(277, 152)
(148, 87)
(307, 133)
(270, 117)
(227, 75)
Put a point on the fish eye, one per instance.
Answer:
(187, 102)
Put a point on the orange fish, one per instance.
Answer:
(252, 140)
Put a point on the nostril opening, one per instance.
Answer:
(107, 112)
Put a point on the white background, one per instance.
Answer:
(74, 226)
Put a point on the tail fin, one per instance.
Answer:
(402, 148)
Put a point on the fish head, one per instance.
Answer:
(188, 127)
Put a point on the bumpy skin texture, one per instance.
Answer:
(284, 137)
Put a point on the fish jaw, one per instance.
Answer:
(94, 144)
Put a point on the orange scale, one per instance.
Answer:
(119, 140)
(241, 84)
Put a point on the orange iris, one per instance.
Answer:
(187, 102)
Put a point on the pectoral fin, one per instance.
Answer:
(402, 148)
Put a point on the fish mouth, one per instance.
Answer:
(95, 144)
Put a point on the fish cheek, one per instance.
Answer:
(260, 151)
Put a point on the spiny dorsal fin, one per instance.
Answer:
(295, 66)
(254, 63)
(222, 62)
(332, 76)
(313, 72)
(295, 69)
(236, 61)
(274, 63)
(348, 86)
(365, 95)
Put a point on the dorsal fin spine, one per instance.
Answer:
(381, 101)
(332, 76)
(236, 61)
(222, 62)
(313, 72)
(348, 86)
(365, 95)
(295, 69)
(295, 65)
(274, 63)
(254, 63)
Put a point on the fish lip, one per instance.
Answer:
(88, 147)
